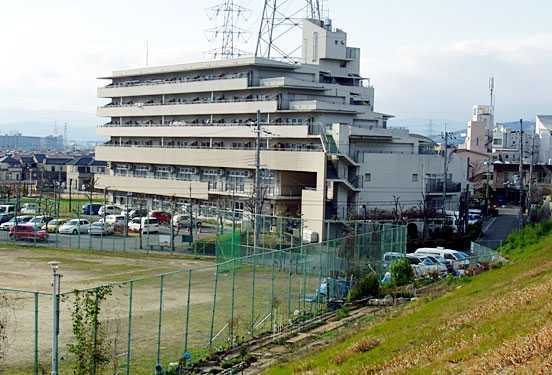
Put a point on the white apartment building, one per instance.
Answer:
(543, 130)
(479, 129)
(186, 132)
(506, 145)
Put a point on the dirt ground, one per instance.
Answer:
(24, 268)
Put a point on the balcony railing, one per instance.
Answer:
(275, 147)
(175, 80)
(246, 99)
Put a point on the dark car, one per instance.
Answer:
(6, 217)
(139, 212)
(91, 208)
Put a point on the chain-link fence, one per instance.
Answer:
(143, 325)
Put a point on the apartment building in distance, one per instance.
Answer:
(187, 132)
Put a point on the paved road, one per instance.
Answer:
(498, 228)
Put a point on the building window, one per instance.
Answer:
(163, 173)
(141, 171)
(414, 177)
(368, 177)
(120, 170)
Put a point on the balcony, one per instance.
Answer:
(305, 161)
(191, 107)
(175, 86)
(436, 187)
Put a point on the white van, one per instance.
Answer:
(110, 209)
(455, 259)
(148, 225)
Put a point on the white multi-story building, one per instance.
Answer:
(186, 132)
(479, 130)
(506, 145)
(543, 130)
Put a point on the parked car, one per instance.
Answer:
(115, 219)
(7, 209)
(39, 221)
(30, 209)
(148, 225)
(91, 209)
(6, 217)
(390, 257)
(163, 217)
(75, 226)
(10, 223)
(98, 228)
(138, 212)
(183, 221)
(53, 225)
(109, 209)
(454, 259)
(27, 232)
(432, 266)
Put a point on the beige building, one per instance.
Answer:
(187, 131)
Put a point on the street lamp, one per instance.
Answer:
(56, 276)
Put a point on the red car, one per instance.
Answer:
(27, 232)
(163, 217)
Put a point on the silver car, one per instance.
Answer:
(75, 226)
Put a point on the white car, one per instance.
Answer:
(183, 221)
(432, 265)
(10, 223)
(147, 224)
(390, 257)
(29, 209)
(75, 226)
(109, 209)
(455, 259)
(39, 221)
(115, 219)
(100, 229)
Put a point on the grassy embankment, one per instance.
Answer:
(498, 321)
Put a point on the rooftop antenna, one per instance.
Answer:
(227, 34)
(280, 18)
(147, 52)
(492, 92)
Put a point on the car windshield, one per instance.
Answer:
(72, 222)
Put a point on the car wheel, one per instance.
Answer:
(75, 231)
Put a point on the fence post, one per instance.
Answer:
(233, 302)
(304, 286)
(36, 333)
(272, 296)
(289, 254)
(187, 313)
(158, 367)
(95, 333)
(253, 294)
(129, 337)
(213, 311)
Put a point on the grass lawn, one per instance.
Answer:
(499, 321)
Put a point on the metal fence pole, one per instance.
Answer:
(129, 336)
(213, 311)
(36, 333)
(289, 254)
(233, 301)
(158, 367)
(95, 333)
(253, 294)
(187, 313)
(272, 295)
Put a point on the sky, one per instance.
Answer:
(427, 59)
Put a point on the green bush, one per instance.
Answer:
(401, 272)
(517, 243)
(205, 246)
(342, 313)
(367, 286)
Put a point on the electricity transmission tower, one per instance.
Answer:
(227, 34)
(280, 18)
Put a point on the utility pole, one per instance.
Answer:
(521, 187)
(257, 183)
(531, 162)
(445, 173)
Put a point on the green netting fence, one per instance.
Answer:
(147, 325)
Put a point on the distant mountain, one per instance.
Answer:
(81, 126)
